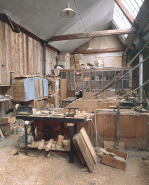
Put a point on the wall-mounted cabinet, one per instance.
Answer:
(29, 89)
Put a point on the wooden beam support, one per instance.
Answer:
(93, 34)
(98, 50)
(125, 11)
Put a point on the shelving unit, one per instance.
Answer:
(95, 80)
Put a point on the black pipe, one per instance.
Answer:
(44, 56)
(26, 140)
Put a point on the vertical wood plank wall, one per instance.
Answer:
(22, 54)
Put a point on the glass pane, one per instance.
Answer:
(92, 75)
(86, 76)
(63, 75)
(119, 84)
(98, 75)
(125, 84)
(87, 85)
(127, 76)
(99, 85)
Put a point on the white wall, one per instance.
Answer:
(110, 59)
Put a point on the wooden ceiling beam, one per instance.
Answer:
(98, 50)
(125, 11)
(93, 34)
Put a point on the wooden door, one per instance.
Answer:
(63, 90)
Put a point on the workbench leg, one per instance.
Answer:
(26, 152)
(71, 159)
(75, 128)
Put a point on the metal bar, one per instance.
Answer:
(71, 128)
(140, 78)
(26, 142)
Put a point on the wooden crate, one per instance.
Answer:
(8, 119)
(110, 161)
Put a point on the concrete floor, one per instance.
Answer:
(38, 169)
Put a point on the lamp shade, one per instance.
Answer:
(68, 12)
(89, 48)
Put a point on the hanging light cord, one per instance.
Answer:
(81, 16)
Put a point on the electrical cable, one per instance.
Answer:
(80, 16)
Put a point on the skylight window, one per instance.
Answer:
(120, 20)
(133, 6)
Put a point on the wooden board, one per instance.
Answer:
(85, 152)
(79, 152)
(89, 144)
(41, 87)
(37, 88)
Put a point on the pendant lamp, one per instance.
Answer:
(68, 12)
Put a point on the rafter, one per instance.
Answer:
(93, 34)
(98, 50)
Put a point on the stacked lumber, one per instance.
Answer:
(78, 61)
(64, 60)
(60, 145)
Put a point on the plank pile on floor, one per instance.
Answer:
(60, 145)
(85, 149)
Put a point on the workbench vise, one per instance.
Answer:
(24, 110)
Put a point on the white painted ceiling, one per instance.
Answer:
(42, 17)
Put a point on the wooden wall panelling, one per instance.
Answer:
(7, 54)
(41, 60)
(12, 52)
(107, 127)
(141, 131)
(24, 40)
(34, 57)
(29, 70)
(17, 62)
(21, 53)
(48, 67)
(1, 52)
(113, 127)
(38, 59)
(3, 57)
